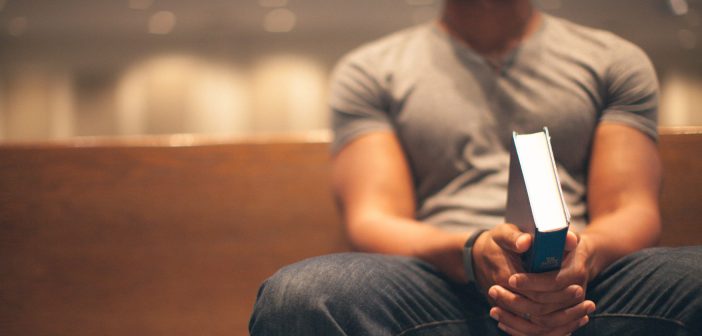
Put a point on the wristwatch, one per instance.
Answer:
(468, 255)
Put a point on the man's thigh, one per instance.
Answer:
(656, 291)
(368, 294)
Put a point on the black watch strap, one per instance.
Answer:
(468, 255)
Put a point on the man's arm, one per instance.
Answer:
(623, 187)
(373, 185)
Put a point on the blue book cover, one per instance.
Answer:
(535, 201)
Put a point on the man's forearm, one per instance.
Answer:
(402, 236)
(623, 186)
(619, 233)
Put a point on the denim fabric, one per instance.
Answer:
(653, 292)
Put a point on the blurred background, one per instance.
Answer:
(238, 67)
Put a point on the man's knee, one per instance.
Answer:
(672, 264)
(657, 283)
(313, 292)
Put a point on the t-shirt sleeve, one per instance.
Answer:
(358, 102)
(632, 91)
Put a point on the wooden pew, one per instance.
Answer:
(681, 198)
(144, 238)
(173, 235)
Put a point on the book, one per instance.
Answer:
(535, 200)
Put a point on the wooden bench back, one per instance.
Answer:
(681, 198)
(142, 237)
(128, 239)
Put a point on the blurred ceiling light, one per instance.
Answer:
(18, 26)
(162, 23)
(688, 39)
(279, 20)
(140, 4)
(272, 3)
(420, 2)
(549, 4)
(678, 7)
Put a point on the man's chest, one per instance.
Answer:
(466, 114)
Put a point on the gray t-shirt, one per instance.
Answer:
(454, 114)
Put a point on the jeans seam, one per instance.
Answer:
(640, 316)
(431, 324)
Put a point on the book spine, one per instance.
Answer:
(546, 252)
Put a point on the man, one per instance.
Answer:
(422, 123)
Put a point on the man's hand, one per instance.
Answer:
(547, 303)
(496, 255)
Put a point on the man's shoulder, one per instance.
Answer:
(391, 49)
(575, 36)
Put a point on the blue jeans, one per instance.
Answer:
(656, 291)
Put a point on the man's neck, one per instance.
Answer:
(490, 27)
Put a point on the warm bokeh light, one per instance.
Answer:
(38, 104)
(279, 20)
(185, 94)
(681, 100)
(162, 23)
(679, 7)
(182, 94)
(132, 67)
(289, 94)
(219, 101)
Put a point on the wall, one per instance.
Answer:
(76, 68)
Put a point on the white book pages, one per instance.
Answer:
(541, 181)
